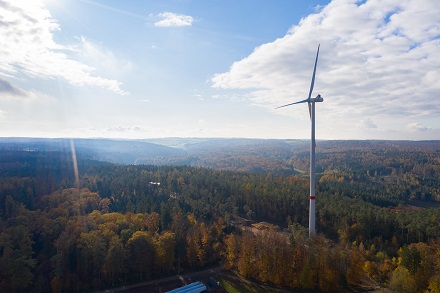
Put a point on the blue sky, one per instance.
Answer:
(186, 68)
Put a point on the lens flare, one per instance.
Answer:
(75, 163)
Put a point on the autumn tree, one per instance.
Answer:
(16, 261)
(246, 255)
(141, 254)
(115, 260)
(231, 250)
(164, 246)
(92, 253)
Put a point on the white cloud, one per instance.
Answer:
(378, 60)
(102, 58)
(123, 129)
(367, 123)
(111, 131)
(10, 91)
(28, 47)
(416, 127)
(173, 19)
(199, 97)
(7, 89)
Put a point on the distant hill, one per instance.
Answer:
(108, 150)
(236, 154)
(282, 156)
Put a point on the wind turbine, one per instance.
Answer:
(311, 103)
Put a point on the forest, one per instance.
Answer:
(378, 215)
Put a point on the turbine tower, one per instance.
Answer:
(311, 103)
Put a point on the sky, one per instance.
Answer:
(139, 69)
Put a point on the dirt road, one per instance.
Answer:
(168, 283)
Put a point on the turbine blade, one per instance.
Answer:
(303, 101)
(310, 110)
(314, 72)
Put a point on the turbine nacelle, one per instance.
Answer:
(309, 100)
(317, 99)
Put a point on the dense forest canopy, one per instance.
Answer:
(378, 212)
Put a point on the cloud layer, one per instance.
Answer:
(378, 59)
(172, 19)
(6, 88)
(28, 48)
